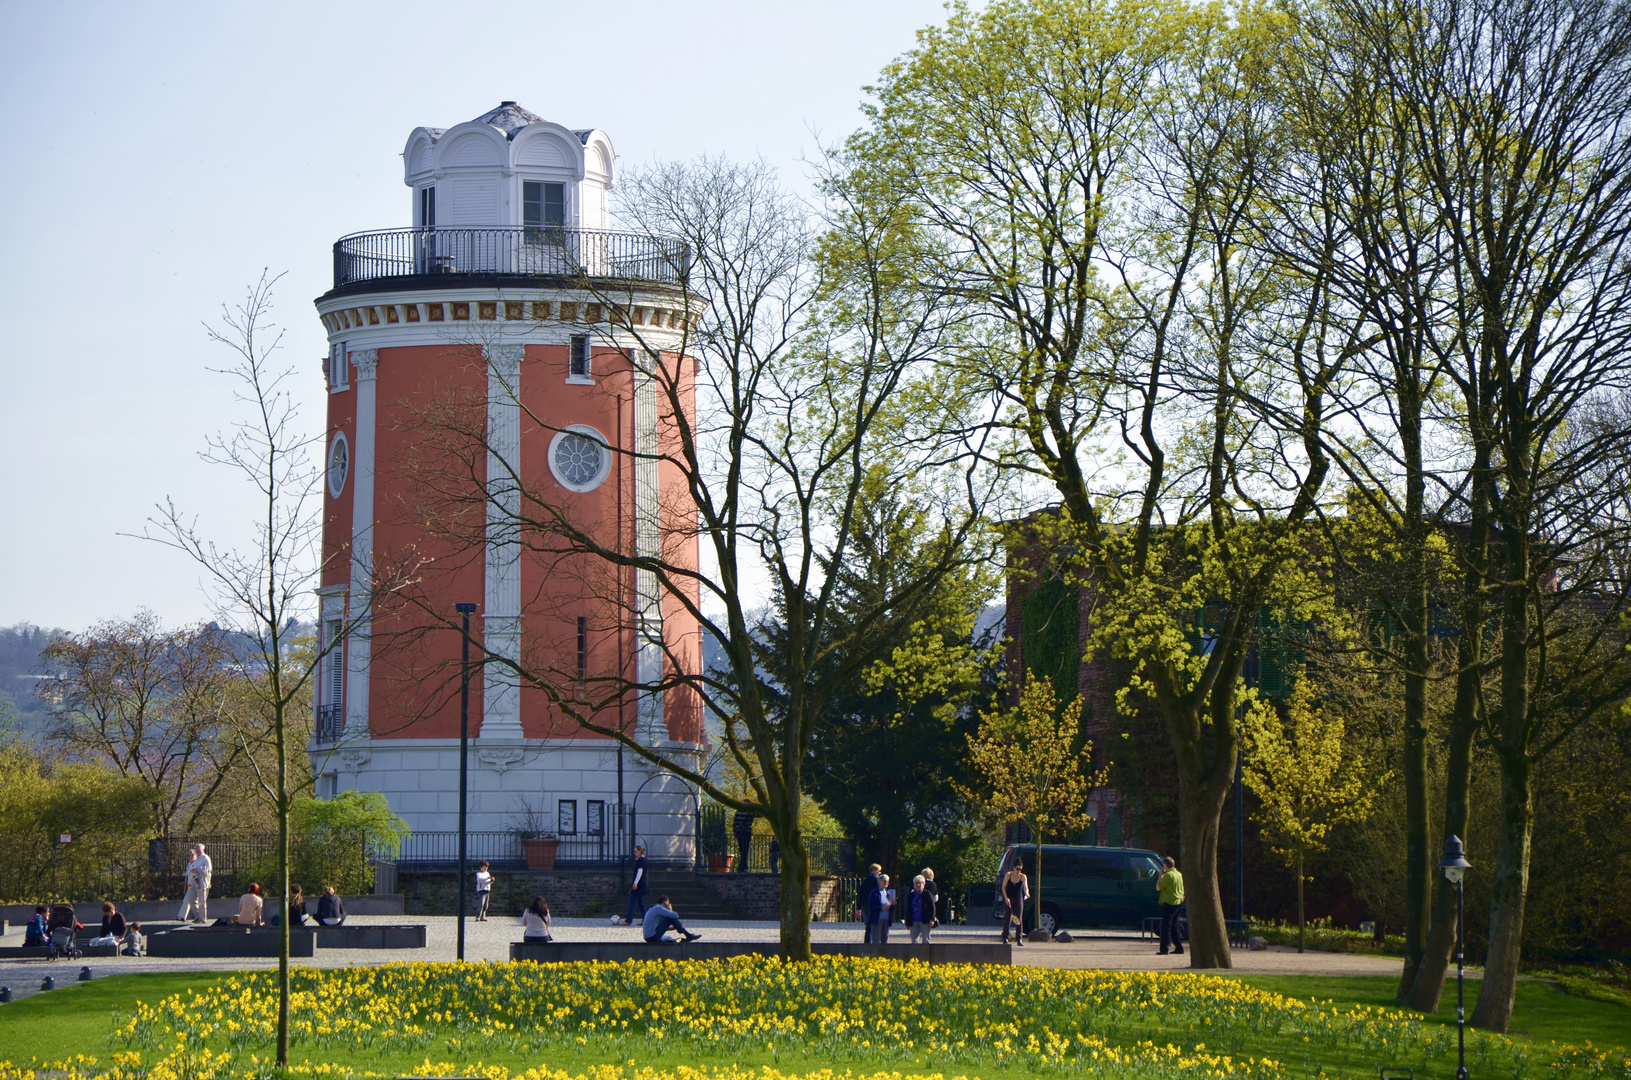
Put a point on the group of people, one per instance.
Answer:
(1169, 892)
(882, 906)
(195, 904)
(44, 926)
(656, 923)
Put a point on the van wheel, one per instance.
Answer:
(1050, 919)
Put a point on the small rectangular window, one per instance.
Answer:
(338, 371)
(566, 817)
(335, 691)
(543, 210)
(579, 368)
(427, 207)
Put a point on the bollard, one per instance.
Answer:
(49, 984)
(5, 994)
(85, 973)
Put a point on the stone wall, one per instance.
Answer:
(570, 893)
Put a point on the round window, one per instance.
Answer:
(579, 458)
(339, 464)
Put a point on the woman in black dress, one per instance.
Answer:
(1016, 889)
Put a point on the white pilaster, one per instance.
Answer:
(362, 543)
(647, 544)
(501, 616)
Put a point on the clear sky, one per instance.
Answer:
(154, 157)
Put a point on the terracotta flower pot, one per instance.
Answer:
(720, 864)
(540, 853)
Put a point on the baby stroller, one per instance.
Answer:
(61, 928)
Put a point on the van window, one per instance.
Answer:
(1145, 867)
(1102, 867)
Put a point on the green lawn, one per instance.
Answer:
(78, 1017)
(1543, 1013)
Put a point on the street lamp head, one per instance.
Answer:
(1454, 864)
(465, 609)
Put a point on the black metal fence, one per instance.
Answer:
(551, 251)
(504, 849)
(718, 838)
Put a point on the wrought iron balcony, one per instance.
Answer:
(330, 723)
(403, 258)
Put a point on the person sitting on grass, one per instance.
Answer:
(535, 922)
(330, 912)
(250, 905)
(660, 920)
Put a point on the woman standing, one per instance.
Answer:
(1016, 889)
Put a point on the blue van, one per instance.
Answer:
(1087, 886)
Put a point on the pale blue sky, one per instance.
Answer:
(156, 157)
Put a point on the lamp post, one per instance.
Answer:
(464, 754)
(1455, 867)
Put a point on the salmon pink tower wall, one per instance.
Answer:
(497, 363)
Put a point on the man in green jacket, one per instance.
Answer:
(1170, 891)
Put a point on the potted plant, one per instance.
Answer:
(536, 831)
(719, 862)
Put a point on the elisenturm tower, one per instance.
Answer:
(509, 290)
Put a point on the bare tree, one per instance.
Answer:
(263, 589)
(147, 701)
(803, 381)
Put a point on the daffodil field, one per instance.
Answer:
(761, 1019)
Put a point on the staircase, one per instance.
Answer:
(691, 899)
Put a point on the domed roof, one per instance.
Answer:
(509, 118)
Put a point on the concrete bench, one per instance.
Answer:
(215, 942)
(617, 952)
(377, 936)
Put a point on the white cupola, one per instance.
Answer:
(509, 168)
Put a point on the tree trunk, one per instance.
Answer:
(1199, 808)
(1427, 990)
(283, 880)
(1418, 904)
(1302, 921)
(795, 907)
(1038, 922)
(1508, 894)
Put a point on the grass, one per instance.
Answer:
(1544, 1012)
(79, 1017)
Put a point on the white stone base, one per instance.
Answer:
(420, 781)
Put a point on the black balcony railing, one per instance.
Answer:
(504, 851)
(330, 723)
(551, 251)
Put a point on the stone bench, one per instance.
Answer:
(214, 942)
(377, 936)
(617, 952)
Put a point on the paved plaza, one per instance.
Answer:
(490, 941)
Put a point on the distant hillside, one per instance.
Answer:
(20, 648)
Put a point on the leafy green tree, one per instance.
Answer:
(1081, 179)
(1305, 782)
(1034, 765)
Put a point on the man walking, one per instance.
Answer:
(920, 918)
(637, 889)
(1170, 891)
(198, 885)
(660, 920)
(880, 911)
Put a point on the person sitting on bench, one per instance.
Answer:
(660, 920)
(330, 912)
(250, 906)
(37, 933)
(113, 924)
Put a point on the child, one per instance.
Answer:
(484, 890)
